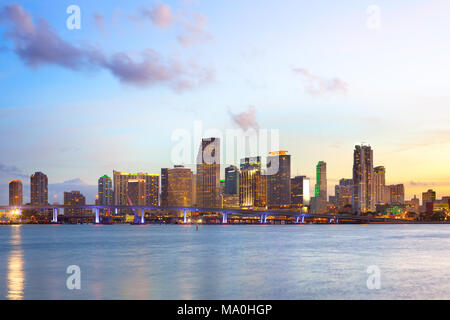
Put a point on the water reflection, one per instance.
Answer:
(16, 275)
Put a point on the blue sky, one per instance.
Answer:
(312, 70)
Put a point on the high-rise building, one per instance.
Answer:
(151, 189)
(39, 189)
(299, 191)
(231, 180)
(75, 199)
(179, 192)
(136, 192)
(428, 197)
(105, 191)
(208, 174)
(363, 197)
(252, 184)
(15, 193)
(164, 186)
(343, 193)
(150, 185)
(379, 183)
(413, 204)
(396, 194)
(320, 190)
(279, 180)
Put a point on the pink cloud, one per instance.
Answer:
(318, 86)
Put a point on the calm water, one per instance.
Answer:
(225, 262)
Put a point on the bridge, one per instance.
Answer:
(139, 213)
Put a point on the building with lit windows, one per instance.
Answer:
(150, 187)
(105, 191)
(320, 190)
(252, 184)
(208, 174)
(179, 187)
(39, 189)
(300, 191)
(343, 194)
(278, 180)
(75, 199)
(363, 195)
(379, 184)
(428, 197)
(396, 194)
(15, 193)
(231, 180)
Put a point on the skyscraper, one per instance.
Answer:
(379, 183)
(105, 191)
(136, 192)
(428, 197)
(150, 187)
(320, 190)
(15, 193)
(39, 189)
(179, 192)
(279, 180)
(343, 193)
(397, 194)
(74, 199)
(252, 184)
(231, 180)
(363, 197)
(208, 174)
(164, 186)
(299, 191)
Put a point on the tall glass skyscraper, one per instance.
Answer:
(208, 174)
(231, 180)
(15, 193)
(39, 189)
(320, 190)
(252, 184)
(105, 191)
(279, 180)
(363, 194)
(379, 184)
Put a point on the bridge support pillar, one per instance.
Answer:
(224, 218)
(55, 215)
(142, 216)
(97, 216)
(185, 216)
(263, 219)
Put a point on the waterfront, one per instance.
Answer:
(225, 262)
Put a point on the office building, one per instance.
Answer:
(208, 174)
(105, 191)
(363, 195)
(428, 197)
(231, 180)
(75, 199)
(379, 183)
(39, 189)
(278, 180)
(15, 193)
(252, 184)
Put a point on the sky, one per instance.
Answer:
(78, 103)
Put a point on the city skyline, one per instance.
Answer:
(154, 188)
(325, 95)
